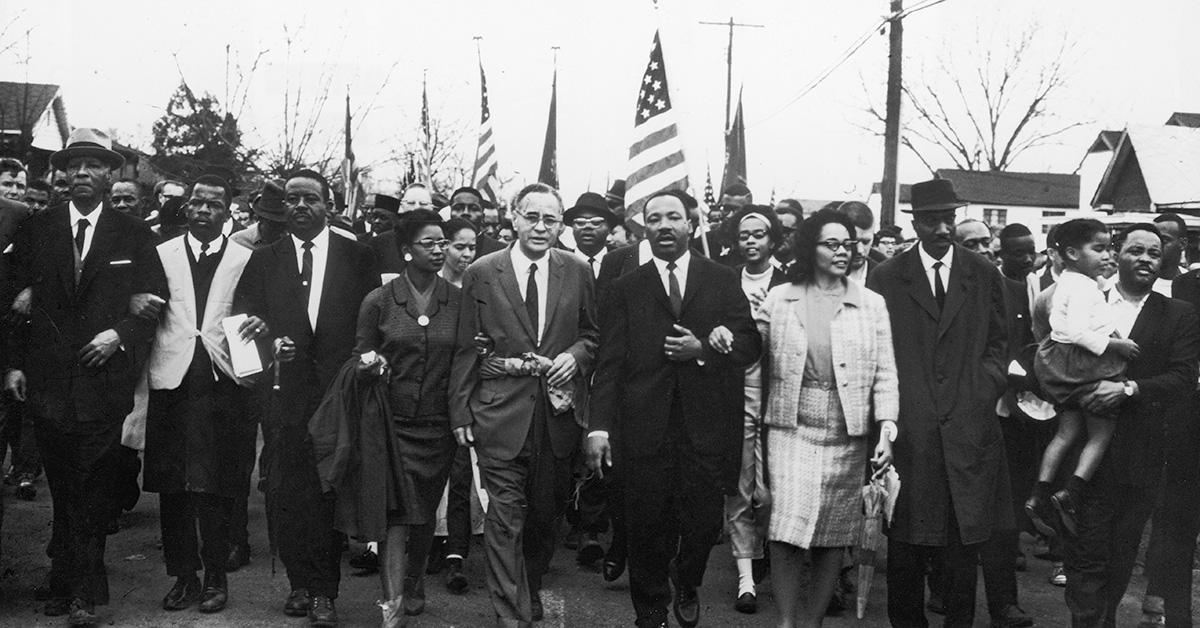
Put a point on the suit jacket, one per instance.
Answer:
(175, 339)
(1168, 333)
(636, 385)
(270, 289)
(863, 363)
(65, 317)
(1187, 287)
(486, 245)
(616, 264)
(500, 410)
(387, 252)
(951, 366)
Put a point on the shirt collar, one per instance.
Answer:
(320, 241)
(1115, 296)
(521, 262)
(681, 264)
(93, 217)
(927, 260)
(598, 256)
(195, 244)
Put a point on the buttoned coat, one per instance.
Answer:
(500, 410)
(863, 363)
(951, 372)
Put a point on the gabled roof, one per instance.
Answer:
(905, 192)
(23, 104)
(1168, 160)
(1183, 118)
(1106, 140)
(1023, 189)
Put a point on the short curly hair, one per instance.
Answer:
(804, 242)
(412, 222)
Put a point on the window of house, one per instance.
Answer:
(997, 218)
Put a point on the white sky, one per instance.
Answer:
(1133, 63)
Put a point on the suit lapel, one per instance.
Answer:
(918, 284)
(229, 270)
(62, 240)
(175, 260)
(653, 285)
(507, 277)
(692, 282)
(291, 277)
(1151, 311)
(102, 241)
(335, 278)
(961, 281)
(554, 289)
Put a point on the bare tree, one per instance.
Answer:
(447, 163)
(982, 108)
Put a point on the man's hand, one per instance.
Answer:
(146, 305)
(599, 454)
(756, 298)
(465, 436)
(1106, 396)
(100, 349)
(252, 328)
(285, 349)
(683, 347)
(14, 384)
(561, 370)
(721, 339)
(883, 457)
(24, 302)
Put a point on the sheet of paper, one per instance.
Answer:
(244, 355)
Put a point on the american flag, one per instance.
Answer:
(426, 138)
(656, 155)
(485, 154)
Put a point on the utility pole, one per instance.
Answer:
(891, 133)
(729, 62)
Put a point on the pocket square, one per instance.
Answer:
(120, 262)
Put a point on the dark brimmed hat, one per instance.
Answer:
(934, 195)
(591, 203)
(87, 142)
(268, 203)
(389, 204)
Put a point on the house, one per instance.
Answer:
(33, 123)
(1001, 198)
(1153, 168)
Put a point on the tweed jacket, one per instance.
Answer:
(863, 363)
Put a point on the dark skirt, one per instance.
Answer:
(426, 450)
(1066, 371)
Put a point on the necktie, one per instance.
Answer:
(306, 270)
(531, 300)
(80, 235)
(592, 265)
(203, 252)
(939, 289)
(674, 293)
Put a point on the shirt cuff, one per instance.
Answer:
(603, 433)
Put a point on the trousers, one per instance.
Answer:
(185, 551)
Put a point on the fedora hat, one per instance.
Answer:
(86, 142)
(268, 204)
(591, 203)
(934, 195)
(616, 193)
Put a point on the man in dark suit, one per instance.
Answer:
(1158, 392)
(673, 406)
(950, 453)
(467, 203)
(302, 293)
(78, 265)
(525, 299)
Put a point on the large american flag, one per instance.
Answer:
(656, 155)
(485, 153)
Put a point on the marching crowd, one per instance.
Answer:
(674, 379)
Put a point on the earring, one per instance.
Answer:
(408, 257)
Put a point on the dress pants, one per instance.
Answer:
(78, 423)
(525, 497)
(300, 516)
(745, 510)
(906, 580)
(1099, 559)
(458, 504)
(184, 551)
(247, 439)
(19, 435)
(1176, 519)
(675, 509)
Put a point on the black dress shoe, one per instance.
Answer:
(456, 580)
(746, 603)
(216, 593)
(535, 602)
(239, 556)
(322, 614)
(297, 604)
(687, 607)
(414, 595)
(183, 594)
(367, 561)
(56, 607)
(935, 604)
(590, 552)
(1011, 616)
(82, 613)
(614, 565)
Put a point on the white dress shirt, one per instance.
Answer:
(1124, 312)
(92, 219)
(521, 264)
(214, 247)
(320, 254)
(928, 261)
(594, 264)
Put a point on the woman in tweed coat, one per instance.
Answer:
(828, 367)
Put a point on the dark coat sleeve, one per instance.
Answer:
(606, 385)
(463, 372)
(735, 316)
(1178, 378)
(134, 330)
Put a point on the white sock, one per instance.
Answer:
(745, 567)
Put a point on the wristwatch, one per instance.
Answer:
(1130, 389)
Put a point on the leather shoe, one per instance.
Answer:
(456, 580)
(535, 602)
(366, 561)
(614, 565)
(746, 603)
(216, 593)
(184, 593)
(687, 607)
(82, 613)
(322, 614)
(589, 552)
(239, 556)
(414, 595)
(297, 604)
(1011, 616)
(56, 607)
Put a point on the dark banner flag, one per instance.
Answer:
(548, 173)
(735, 150)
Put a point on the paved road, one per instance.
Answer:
(574, 597)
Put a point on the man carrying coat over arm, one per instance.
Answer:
(672, 404)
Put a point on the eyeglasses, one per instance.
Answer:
(465, 207)
(430, 244)
(595, 222)
(533, 219)
(834, 245)
(757, 234)
(420, 204)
